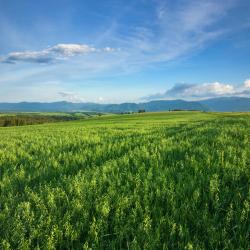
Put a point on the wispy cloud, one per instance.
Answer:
(70, 96)
(57, 52)
(176, 30)
(28, 56)
(201, 91)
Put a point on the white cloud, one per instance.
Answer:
(209, 89)
(108, 49)
(247, 83)
(201, 91)
(68, 50)
(28, 56)
(59, 51)
(70, 97)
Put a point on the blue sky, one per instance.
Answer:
(119, 51)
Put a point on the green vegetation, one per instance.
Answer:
(175, 180)
(22, 119)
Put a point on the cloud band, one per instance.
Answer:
(57, 52)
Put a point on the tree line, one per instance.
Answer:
(21, 120)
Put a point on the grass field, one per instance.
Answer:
(174, 180)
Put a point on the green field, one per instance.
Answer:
(174, 180)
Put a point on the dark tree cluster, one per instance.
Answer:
(21, 120)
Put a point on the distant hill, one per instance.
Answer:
(215, 104)
(111, 108)
(173, 104)
(228, 104)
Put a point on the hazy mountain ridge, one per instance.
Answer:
(227, 104)
(223, 104)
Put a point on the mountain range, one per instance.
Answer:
(220, 104)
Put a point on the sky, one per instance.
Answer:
(115, 51)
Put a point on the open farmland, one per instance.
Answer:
(174, 180)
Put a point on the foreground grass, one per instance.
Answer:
(177, 180)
